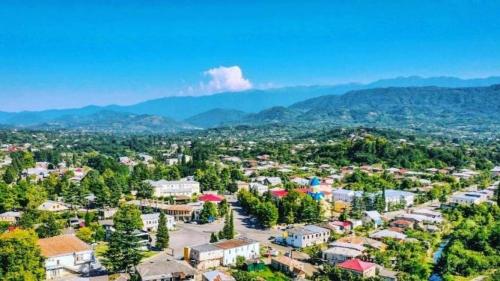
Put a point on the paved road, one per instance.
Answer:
(188, 234)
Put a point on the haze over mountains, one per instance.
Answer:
(410, 102)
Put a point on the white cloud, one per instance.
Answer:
(224, 79)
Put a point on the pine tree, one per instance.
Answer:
(213, 237)
(228, 229)
(162, 236)
(124, 251)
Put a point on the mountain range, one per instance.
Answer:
(400, 102)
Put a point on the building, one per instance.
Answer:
(259, 188)
(339, 226)
(291, 267)
(386, 233)
(205, 256)
(150, 222)
(53, 206)
(372, 217)
(164, 188)
(222, 253)
(210, 197)
(495, 171)
(10, 217)
(403, 223)
(65, 255)
(395, 197)
(269, 181)
(467, 198)
(340, 252)
(240, 247)
(359, 267)
(166, 270)
(361, 241)
(309, 235)
(217, 275)
(346, 195)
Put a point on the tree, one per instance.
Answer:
(145, 190)
(208, 212)
(228, 229)
(310, 210)
(267, 214)
(124, 252)
(85, 234)
(162, 236)
(214, 237)
(49, 227)
(20, 257)
(10, 175)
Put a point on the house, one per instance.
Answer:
(269, 181)
(428, 213)
(185, 186)
(495, 172)
(359, 267)
(361, 241)
(340, 252)
(240, 247)
(309, 235)
(278, 193)
(53, 206)
(467, 198)
(386, 233)
(258, 188)
(394, 197)
(339, 226)
(217, 275)
(150, 222)
(166, 270)
(222, 253)
(10, 217)
(346, 195)
(372, 217)
(403, 223)
(291, 267)
(210, 197)
(143, 236)
(420, 218)
(65, 255)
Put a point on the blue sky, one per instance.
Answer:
(56, 54)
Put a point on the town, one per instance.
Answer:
(247, 204)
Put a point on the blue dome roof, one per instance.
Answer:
(317, 195)
(314, 181)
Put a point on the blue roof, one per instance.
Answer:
(317, 195)
(314, 181)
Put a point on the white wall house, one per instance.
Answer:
(394, 197)
(223, 253)
(467, 198)
(65, 255)
(346, 195)
(53, 206)
(164, 188)
(259, 188)
(309, 235)
(150, 222)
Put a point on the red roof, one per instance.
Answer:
(280, 193)
(356, 265)
(211, 198)
(303, 190)
(342, 223)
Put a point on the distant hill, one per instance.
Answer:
(252, 101)
(471, 109)
(216, 117)
(115, 122)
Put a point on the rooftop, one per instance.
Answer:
(356, 265)
(62, 244)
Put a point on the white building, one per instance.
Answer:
(395, 197)
(10, 217)
(65, 255)
(164, 188)
(467, 198)
(346, 195)
(270, 181)
(53, 206)
(309, 235)
(259, 188)
(150, 222)
(223, 253)
(340, 252)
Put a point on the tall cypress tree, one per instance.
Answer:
(162, 236)
(228, 229)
